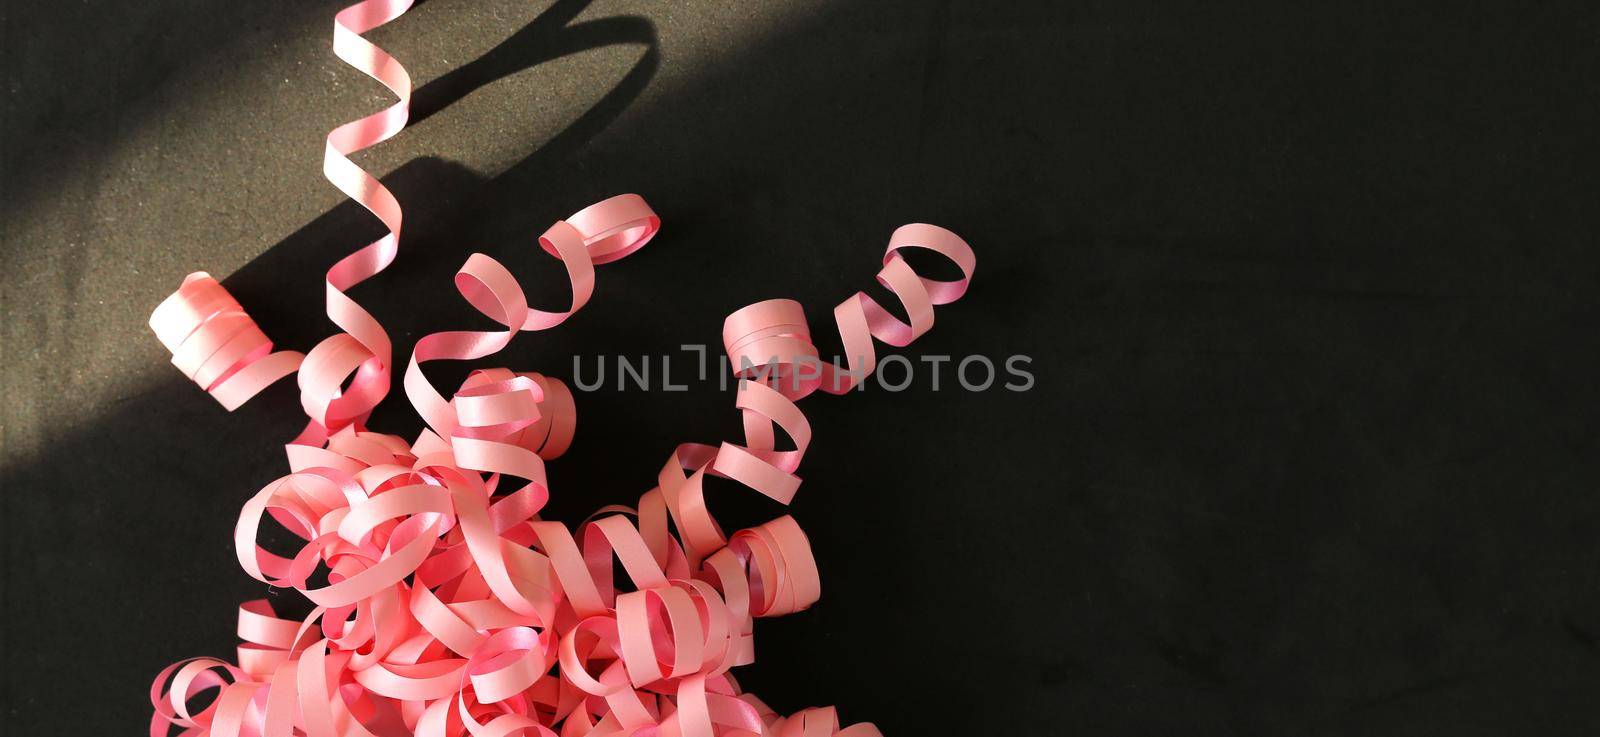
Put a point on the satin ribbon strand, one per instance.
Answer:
(346, 375)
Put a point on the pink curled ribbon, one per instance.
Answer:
(444, 605)
(216, 344)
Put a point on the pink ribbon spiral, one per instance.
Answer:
(444, 605)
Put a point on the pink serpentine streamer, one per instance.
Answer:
(450, 607)
(216, 344)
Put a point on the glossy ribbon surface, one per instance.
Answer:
(444, 605)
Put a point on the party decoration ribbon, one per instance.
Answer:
(217, 345)
(445, 605)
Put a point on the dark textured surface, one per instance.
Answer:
(1310, 295)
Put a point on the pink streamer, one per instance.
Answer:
(450, 608)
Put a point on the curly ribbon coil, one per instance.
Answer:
(361, 353)
(444, 605)
(769, 340)
(216, 344)
(346, 375)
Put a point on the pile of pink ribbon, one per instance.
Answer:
(444, 605)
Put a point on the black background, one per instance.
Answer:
(1307, 288)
